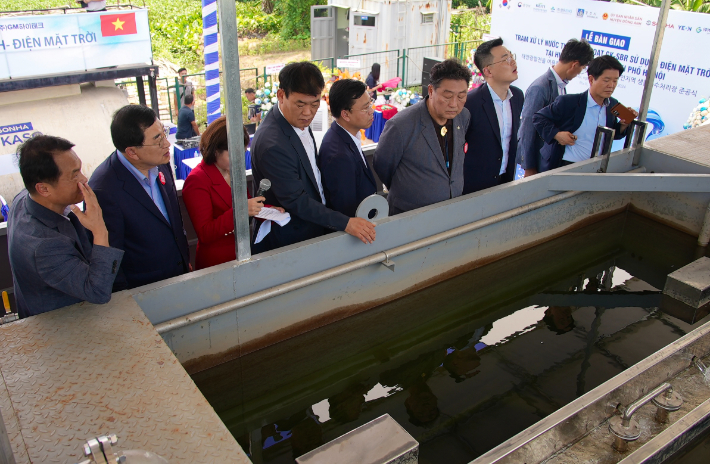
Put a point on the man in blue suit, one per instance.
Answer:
(284, 151)
(495, 107)
(347, 178)
(575, 56)
(569, 124)
(137, 194)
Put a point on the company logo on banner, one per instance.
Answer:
(58, 44)
(625, 32)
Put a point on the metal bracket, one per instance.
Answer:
(389, 264)
(635, 136)
(608, 135)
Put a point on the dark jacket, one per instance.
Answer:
(277, 154)
(539, 94)
(346, 179)
(53, 262)
(484, 156)
(566, 113)
(155, 249)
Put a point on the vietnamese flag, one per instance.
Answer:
(118, 24)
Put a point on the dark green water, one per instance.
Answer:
(472, 361)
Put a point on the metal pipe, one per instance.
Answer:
(636, 405)
(653, 61)
(704, 236)
(235, 131)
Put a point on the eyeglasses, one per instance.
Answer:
(369, 109)
(509, 59)
(161, 138)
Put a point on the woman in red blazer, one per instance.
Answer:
(208, 198)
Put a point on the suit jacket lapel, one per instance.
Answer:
(554, 90)
(219, 184)
(490, 111)
(296, 143)
(427, 126)
(167, 198)
(134, 188)
(581, 110)
(354, 152)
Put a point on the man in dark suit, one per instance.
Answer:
(575, 56)
(284, 151)
(347, 179)
(569, 124)
(495, 109)
(54, 264)
(137, 194)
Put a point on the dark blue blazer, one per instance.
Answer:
(154, 249)
(346, 179)
(566, 113)
(482, 162)
(277, 154)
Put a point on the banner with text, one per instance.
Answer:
(537, 31)
(58, 44)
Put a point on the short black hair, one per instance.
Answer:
(181, 70)
(214, 140)
(601, 63)
(483, 56)
(129, 124)
(577, 50)
(189, 99)
(343, 94)
(302, 77)
(36, 159)
(249, 90)
(449, 69)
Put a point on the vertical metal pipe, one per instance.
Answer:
(235, 134)
(653, 61)
(704, 236)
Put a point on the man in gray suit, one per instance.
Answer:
(420, 154)
(574, 58)
(53, 262)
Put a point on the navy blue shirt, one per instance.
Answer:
(185, 118)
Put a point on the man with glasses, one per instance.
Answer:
(495, 108)
(136, 191)
(420, 154)
(347, 178)
(574, 59)
(284, 151)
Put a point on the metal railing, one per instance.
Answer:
(388, 61)
(413, 58)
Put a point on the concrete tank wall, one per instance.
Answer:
(79, 113)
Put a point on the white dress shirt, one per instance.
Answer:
(561, 84)
(310, 147)
(505, 124)
(358, 143)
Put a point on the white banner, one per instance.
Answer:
(63, 43)
(537, 31)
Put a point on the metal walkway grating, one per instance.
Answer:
(87, 370)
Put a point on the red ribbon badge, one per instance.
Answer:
(465, 148)
(161, 177)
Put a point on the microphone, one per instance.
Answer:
(264, 185)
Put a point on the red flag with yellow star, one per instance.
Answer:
(118, 24)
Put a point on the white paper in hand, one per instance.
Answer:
(269, 215)
(275, 215)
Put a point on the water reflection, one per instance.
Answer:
(468, 363)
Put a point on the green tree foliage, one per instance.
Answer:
(296, 17)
